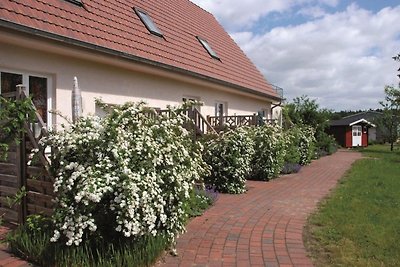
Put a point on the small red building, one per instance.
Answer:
(351, 132)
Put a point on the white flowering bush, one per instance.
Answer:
(229, 156)
(300, 144)
(126, 174)
(270, 151)
(306, 143)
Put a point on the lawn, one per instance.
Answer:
(359, 224)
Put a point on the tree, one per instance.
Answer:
(305, 111)
(397, 58)
(390, 122)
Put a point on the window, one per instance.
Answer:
(357, 130)
(220, 109)
(148, 22)
(37, 86)
(76, 2)
(207, 46)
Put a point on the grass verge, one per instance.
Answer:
(358, 225)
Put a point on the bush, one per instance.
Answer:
(306, 144)
(200, 199)
(269, 155)
(292, 138)
(126, 175)
(291, 168)
(326, 143)
(229, 157)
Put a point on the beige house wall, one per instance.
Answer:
(115, 81)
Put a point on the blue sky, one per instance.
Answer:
(335, 51)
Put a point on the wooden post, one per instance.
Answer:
(254, 120)
(21, 164)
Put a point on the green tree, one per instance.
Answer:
(306, 111)
(390, 120)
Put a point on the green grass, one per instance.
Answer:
(359, 224)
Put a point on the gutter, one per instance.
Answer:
(66, 40)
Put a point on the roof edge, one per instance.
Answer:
(362, 120)
(66, 40)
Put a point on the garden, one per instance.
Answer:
(127, 184)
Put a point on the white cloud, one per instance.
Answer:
(239, 14)
(242, 14)
(341, 59)
(313, 12)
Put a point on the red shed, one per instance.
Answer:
(349, 132)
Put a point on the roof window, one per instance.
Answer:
(148, 22)
(207, 46)
(76, 2)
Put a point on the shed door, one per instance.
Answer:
(357, 135)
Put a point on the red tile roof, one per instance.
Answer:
(113, 24)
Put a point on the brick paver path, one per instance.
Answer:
(264, 226)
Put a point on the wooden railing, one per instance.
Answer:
(196, 121)
(222, 122)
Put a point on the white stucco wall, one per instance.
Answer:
(116, 84)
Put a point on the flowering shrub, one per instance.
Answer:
(306, 144)
(292, 138)
(270, 151)
(229, 156)
(129, 173)
(300, 144)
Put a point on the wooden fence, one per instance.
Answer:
(16, 173)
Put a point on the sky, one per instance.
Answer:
(338, 52)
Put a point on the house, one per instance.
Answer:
(162, 52)
(355, 130)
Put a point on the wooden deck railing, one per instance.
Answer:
(196, 121)
(222, 122)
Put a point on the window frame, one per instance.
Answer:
(206, 45)
(149, 23)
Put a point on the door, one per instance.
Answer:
(357, 135)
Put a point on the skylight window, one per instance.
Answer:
(76, 2)
(207, 46)
(148, 22)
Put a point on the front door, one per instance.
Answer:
(357, 134)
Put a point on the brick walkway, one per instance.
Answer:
(264, 226)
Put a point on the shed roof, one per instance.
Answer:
(112, 26)
(359, 118)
